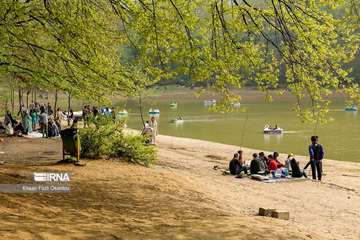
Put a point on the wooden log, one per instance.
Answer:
(281, 215)
(267, 212)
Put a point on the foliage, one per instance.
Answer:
(95, 48)
(108, 140)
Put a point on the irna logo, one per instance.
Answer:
(51, 177)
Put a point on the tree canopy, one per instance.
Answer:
(95, 48)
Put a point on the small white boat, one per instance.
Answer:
(208, 103)
(177, 120)
(173, 105)
(269, 130)
(236, 105)
(122, 113)
(352, 108)
(154, 112)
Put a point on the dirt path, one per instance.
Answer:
(330, 209)
(180, 198)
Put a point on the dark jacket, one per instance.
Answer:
(316, 152)
(234, 166)
(255, 166)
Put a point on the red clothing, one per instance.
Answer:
(272, 165)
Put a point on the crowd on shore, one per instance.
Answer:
(42, 118)
(265, 165)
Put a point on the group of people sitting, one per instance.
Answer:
(36, 117)
(262, 165)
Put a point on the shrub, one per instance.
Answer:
(108, 140)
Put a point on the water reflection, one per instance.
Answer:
(270, 138)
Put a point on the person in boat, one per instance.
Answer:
(275, 156)
(276, 127)
(316, 153)
(255, 165)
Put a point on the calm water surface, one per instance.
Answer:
(340, 138)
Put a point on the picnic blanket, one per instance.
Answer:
(33, 135)
(269, 179)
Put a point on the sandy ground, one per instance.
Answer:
(180, 198)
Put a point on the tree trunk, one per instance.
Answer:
(20, 99)
(56, 99)
(12, 99)
(69, 107)
(27, 98)
(140, 109)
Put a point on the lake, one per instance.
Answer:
(340, 137)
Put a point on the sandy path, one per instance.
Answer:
(330, 209)
(180, 198)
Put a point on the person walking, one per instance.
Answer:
(154, 127)
(316, 153)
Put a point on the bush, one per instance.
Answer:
(108, 140)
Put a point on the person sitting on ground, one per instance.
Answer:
(242, 163)
(53, 130)
(234, 165)
(263, 162)
(9, 119)
(19, 130)
(275, 156)
(255, 165)
(287, 162)
(74, 123)
(272, 164)
(296, 172)
(70, 117)
(58, 117)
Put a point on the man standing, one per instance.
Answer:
(316, 153)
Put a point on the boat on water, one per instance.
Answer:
(177, 120)
(173, 105)
(122, 113)
(276, 130)
(236, 105)
(352, 108)
(154, 112)
(209, 103)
